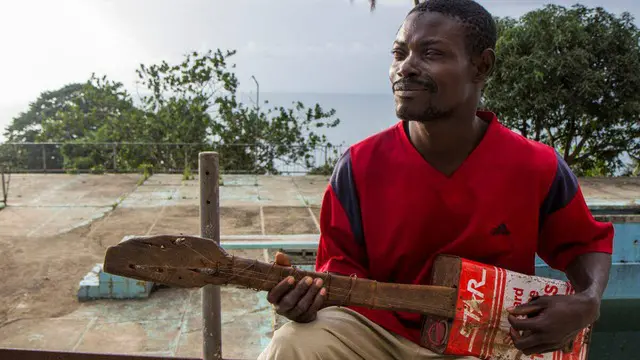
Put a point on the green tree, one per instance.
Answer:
(256, 141)
(187, 107)
(569, 77)
(180, 101)
(72, 115)
(27, 126)
(99, 102)
(100, 105)
(195, 102)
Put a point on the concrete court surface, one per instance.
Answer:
(63, 223)
(60, 203)
(57, 226)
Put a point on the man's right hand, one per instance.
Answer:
(297, 302)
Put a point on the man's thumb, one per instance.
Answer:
(282, 259)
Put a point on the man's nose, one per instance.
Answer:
(408, 67)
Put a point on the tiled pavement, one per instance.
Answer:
(169, 322)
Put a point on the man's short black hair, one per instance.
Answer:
(480, 25)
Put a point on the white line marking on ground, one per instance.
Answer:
(84, 332)
(165, 203)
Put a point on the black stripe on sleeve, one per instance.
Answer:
(344, 187)
(563, 188)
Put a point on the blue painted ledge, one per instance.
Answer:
(624, 279)
(98, 284)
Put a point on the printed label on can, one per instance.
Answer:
(481, 326)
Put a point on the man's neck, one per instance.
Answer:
(446, 143)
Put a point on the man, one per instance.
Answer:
(450, 179)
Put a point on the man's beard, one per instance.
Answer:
(428, 114)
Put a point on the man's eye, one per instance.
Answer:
(397, 53)
(432, 52)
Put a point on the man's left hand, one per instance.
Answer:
(552, 321)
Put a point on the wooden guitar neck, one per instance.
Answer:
(350, 290)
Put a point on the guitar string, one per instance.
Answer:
(337, 291)
(295, 272)
(246, 269)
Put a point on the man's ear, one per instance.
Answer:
(485, 64)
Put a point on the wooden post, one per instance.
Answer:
(4, 187)
(208, 165)
(115, 158)
(44, 158)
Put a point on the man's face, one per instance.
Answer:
(431, 73)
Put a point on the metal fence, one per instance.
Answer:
(126, 157)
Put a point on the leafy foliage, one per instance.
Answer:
(28, 125)
(278, 135)
(101, 106)
(249, 140)
(191, 104)
(569, 77)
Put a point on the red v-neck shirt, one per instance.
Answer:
(387, 213)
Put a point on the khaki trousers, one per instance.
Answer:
(340, 333)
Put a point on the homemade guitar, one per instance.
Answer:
(464, 309)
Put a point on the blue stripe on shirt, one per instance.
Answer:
(344, 187)
(562, 190)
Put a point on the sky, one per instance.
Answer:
(291, 46)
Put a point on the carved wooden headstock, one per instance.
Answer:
(182, 261)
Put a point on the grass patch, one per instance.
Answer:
(147, 171)
(187, 175)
